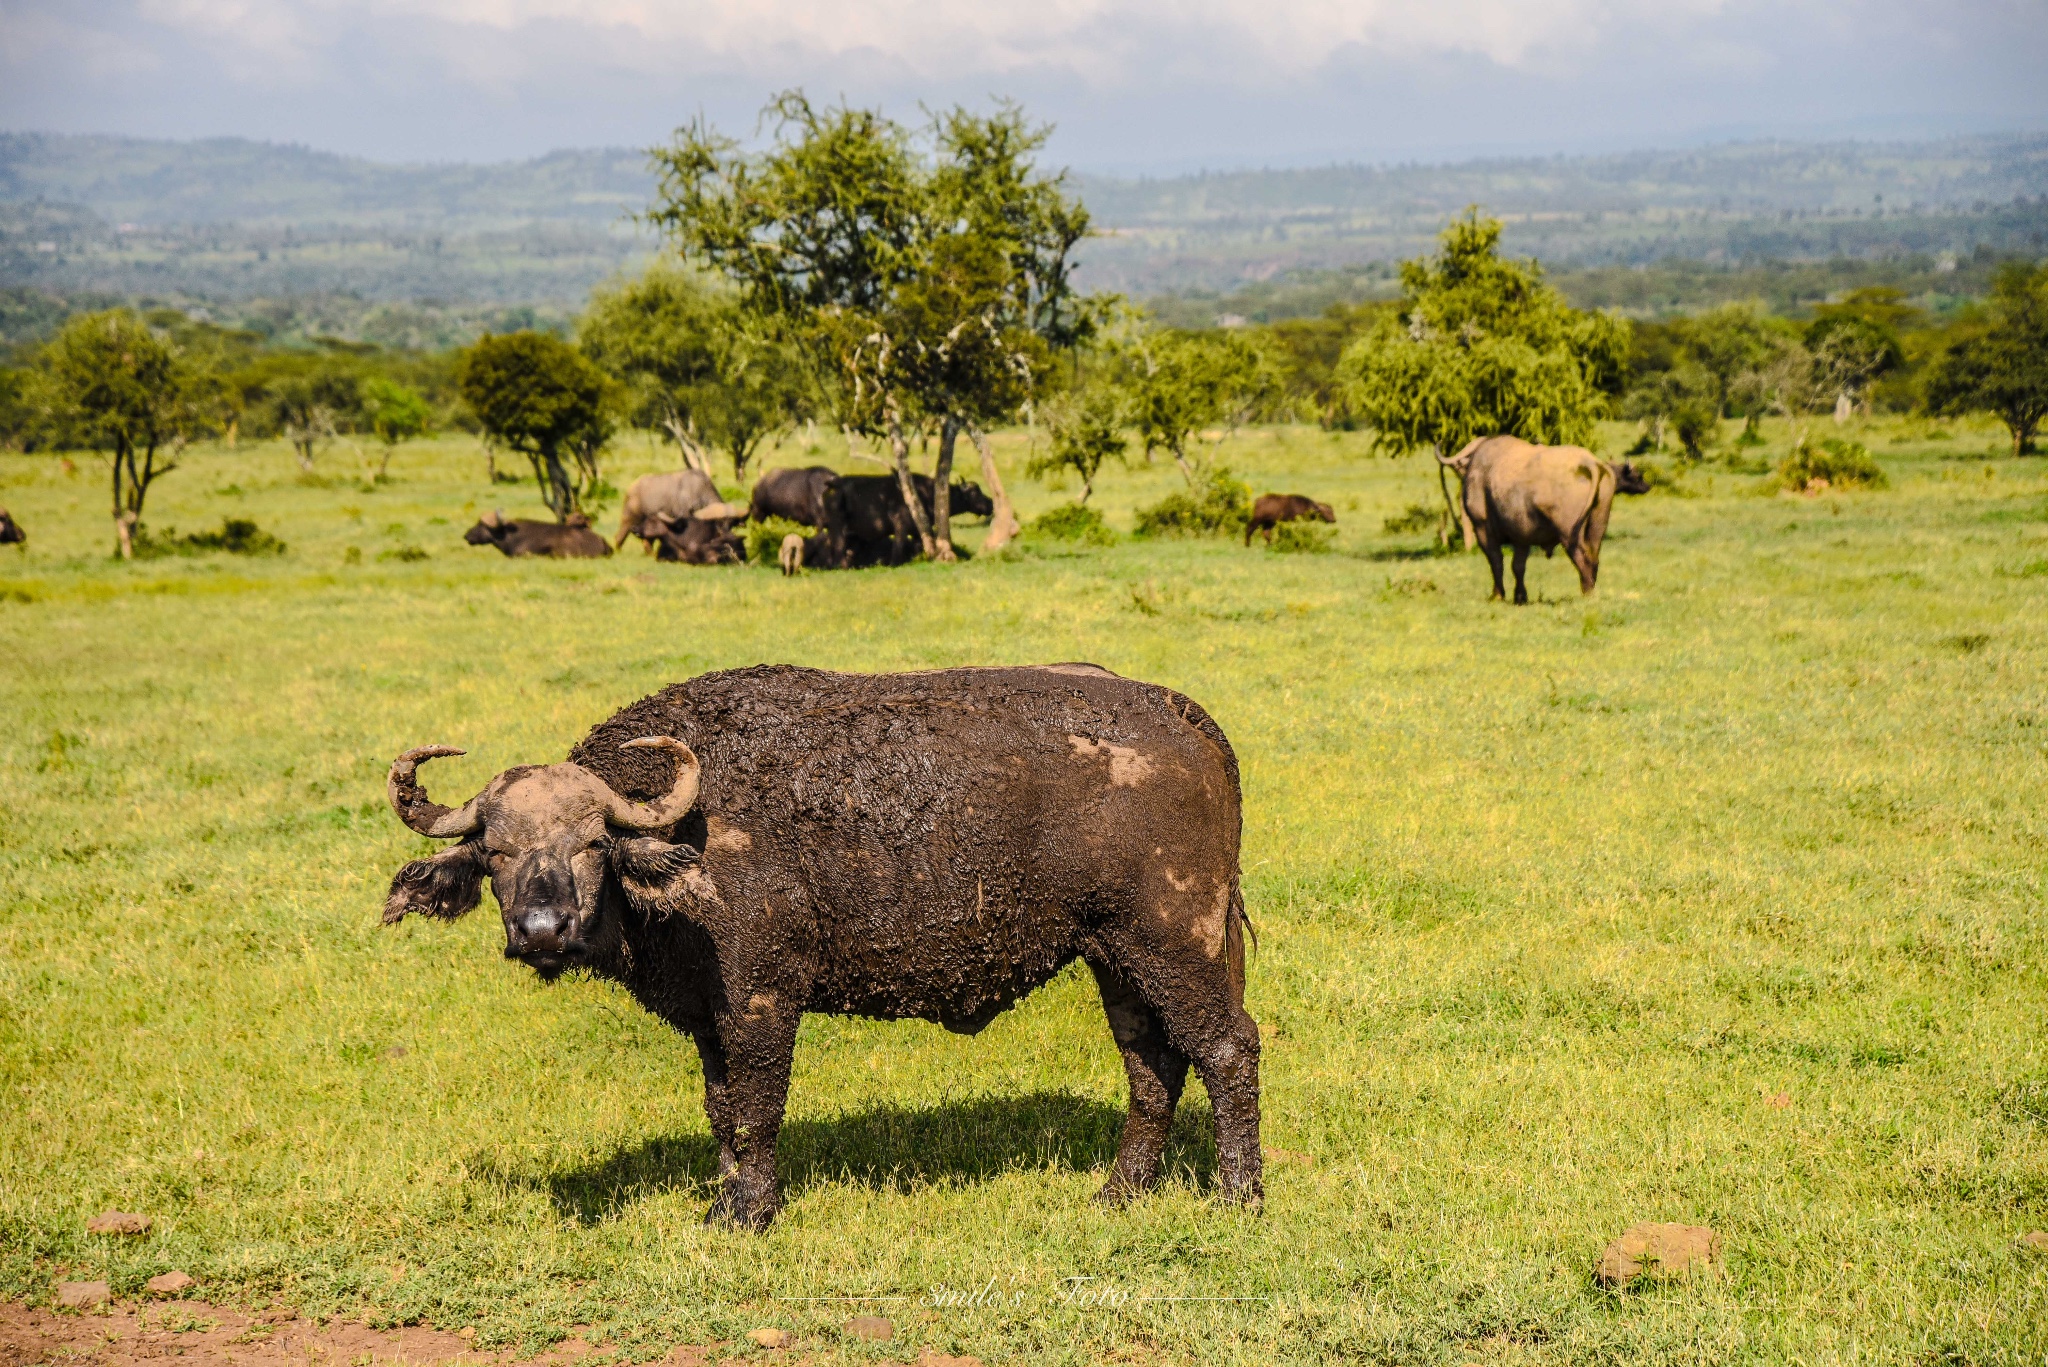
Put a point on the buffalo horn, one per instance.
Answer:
(409, 800)
(663, 811)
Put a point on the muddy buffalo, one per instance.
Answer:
(11, 533)
(1520, 495)
(878, 527)
(753, 845)
(571, 540)
(1273, 509)
(653, 500)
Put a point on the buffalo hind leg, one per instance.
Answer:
(1587, 565)
(1197, 993)
(1521, 585)
(1491, 548)
(745, 1112)
(1157, 1073)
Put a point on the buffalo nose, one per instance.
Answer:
(545, 931)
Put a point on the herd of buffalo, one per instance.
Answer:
(1517, 496)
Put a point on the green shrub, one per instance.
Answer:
(1217, 504)
(764, 539)
(237, 536)
(1416, 517)
(1831, 463)
(1075, 522)
(1303, 538)
(404, 555)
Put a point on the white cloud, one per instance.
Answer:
(1097, 39)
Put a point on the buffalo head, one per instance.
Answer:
(549, 837)
(966, 499)
(10, 530)
(1629, 480)
(488, 529)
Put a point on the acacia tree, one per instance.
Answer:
(115, 383)
(1085, 428)
(537, 395)
(2002, 367)
(395, 413)
(704, 370)
(923, 281)
(311, 410)
(1481, 346)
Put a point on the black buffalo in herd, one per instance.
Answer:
(753, 845)
(11, 533)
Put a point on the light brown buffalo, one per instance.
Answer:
(655, 500)
(1520, 494)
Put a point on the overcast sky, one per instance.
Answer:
(1133, 85)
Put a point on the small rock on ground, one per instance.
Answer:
(769, 1338)
(2037, 1240)
(930, 1359)
(170, 1284)
(78, 1295)
(872, 1327)
(1657, 1250)
(117, 1222)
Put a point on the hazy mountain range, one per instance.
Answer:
(231, 218)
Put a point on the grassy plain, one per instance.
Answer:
(1717, 898)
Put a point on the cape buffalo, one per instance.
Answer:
(10, 531)
(655, 499)
(879, 528)
(1629, 480)
(755, 844)
(798, 495)
(705, 537)
(1273, 509)
(563, 540)
(1522, 495)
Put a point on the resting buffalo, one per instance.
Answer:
(799, 495)
(652, 500)
(705, 537)
(1273, 509)
(879, 528)
(563, 540)
(1522, 495)
(10, 531)
(752, 845)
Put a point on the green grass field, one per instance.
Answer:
(1715, 898)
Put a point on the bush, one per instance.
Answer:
(1304, 538)
(1694, 425)
(764, 539)
(1417, 517)
(1072, 522)
(1828, 464)
(1218, 504)
(237, 536)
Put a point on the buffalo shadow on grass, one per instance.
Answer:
(886, 1147)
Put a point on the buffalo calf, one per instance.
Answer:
(1273, 509)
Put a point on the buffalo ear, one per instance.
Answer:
(657, 875)
(444, 886)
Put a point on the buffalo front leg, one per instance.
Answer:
(1157, 1073)
(746, 1086)
(1521, 568)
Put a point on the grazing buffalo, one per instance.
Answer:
(799, 495)
(705, 537)
(1273, 509)
(11, 533)
(1629, 480)
(753, 845)
(652, 500)
(569, 540)
(879, 528)
(1522, 495)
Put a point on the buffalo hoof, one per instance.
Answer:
(1120, 1191)
(734, 1211)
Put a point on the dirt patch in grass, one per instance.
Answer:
(202, 1335)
